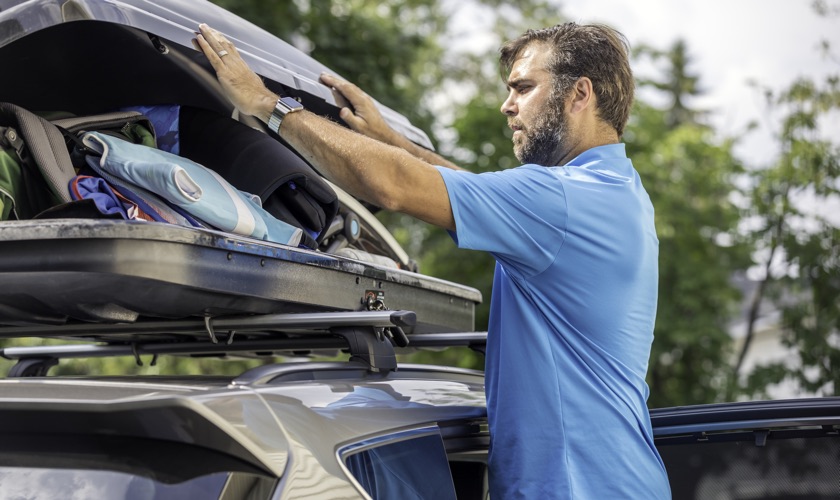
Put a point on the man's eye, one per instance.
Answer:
(523, 89)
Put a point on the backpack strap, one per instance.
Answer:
(10, 137)
(47, 150)
(131, 126)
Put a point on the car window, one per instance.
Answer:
(741, 469)
(81, 466)
(414, 468)
(35, 483)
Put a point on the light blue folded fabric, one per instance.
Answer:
(186, 184)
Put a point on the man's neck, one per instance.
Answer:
(599, 136)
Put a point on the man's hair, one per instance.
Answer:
(592, 50)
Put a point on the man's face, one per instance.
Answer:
(535, 109)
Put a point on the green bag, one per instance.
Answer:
(10, 182)
(27, 189)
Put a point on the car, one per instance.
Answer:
(330, 410)
(282, 430)
(784, 449)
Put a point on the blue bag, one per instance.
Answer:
(197, 190)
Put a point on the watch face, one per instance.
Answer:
(291, 103)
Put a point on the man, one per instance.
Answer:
(574, 296)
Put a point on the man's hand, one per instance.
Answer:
(362, 114)
(243, 87)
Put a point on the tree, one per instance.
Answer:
(678, 83)
(796, 243)
(689, 175)
(798, 246)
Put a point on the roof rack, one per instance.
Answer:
(369, 336)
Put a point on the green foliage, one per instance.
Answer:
(690, 177)
(799, 246)
(677, 83)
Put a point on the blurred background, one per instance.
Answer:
(735, 133)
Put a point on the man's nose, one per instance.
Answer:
(509, 106)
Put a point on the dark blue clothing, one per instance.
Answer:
(571, 325)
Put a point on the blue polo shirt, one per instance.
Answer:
(571, 325)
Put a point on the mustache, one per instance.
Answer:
(515, 125)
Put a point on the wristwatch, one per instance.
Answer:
(284, 106)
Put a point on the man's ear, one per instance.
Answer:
(582, 95)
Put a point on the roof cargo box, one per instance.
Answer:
(54, 271)
(93, 56)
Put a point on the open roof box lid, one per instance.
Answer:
(93, 56)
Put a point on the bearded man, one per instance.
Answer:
(572, 231)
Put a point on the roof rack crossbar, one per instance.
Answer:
(469, 339)
(170, 348)
(37, 360)
(312, 321)
(368, 334)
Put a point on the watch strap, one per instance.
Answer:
(283, 107)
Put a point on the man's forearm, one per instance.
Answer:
(384, 175)
(340, 155)
(423, 153)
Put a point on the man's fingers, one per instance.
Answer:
(215, 42)
(352, 95)
(328, 80)
(340, 100)
(224, 43)
(209, 52)
(353, 121)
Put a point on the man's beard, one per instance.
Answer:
(543, 142)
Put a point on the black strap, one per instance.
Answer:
(11, 139)
(77, 148)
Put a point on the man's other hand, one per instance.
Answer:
(360, 113)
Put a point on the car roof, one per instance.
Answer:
(320, 406)
(283, 66)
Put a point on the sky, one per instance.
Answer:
(731, 41)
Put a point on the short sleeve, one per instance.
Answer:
(518, 215)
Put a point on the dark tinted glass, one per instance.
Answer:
(782, 469)
(55, 466)
(414, 468)
(34, 483)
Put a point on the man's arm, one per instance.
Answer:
(382, 174)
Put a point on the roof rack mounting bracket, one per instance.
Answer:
(136, 354)
(32, 367)
(208, 325)
(369, 346)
